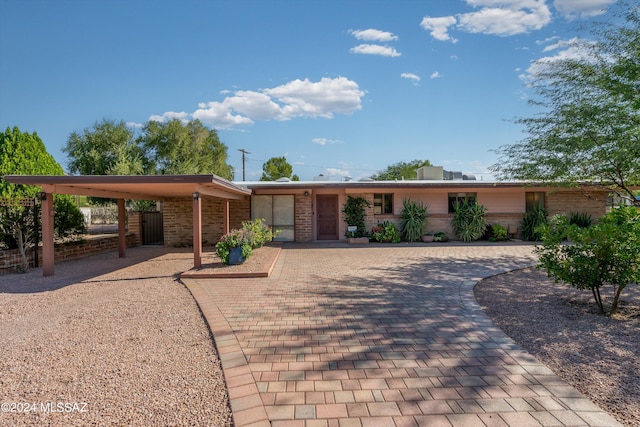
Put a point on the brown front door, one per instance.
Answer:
(327, 217)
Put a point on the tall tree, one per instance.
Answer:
(178, 148)
(401, 170)
(107, 148)
(589, 127)
(277, 167)
(25, 154)
(22, 153)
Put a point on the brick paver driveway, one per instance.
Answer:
(380, 336)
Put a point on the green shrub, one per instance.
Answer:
(258, 232)
(581, 219)
(498, 233)
(353, 214)
(413, 220)
(440, 237)
(468, 220)
(68, 221)
(607, 253)
(532, 221)
(385, 232)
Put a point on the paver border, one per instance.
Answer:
(263, 270)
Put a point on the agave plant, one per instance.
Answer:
(468, 220)
(413, 220)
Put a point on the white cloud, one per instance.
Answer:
(318, 99)
(375, 49)
(507, 19)
(298, 98)
(220, 115)
(574, 48)
(337, 172)
(439, 27)
(410, 76)
(573, 9)
(325, 141)
(373, 35)
(135, 125)
(435, 75)
(496, 17)
(170, 115)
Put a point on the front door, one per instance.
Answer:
(327, 216)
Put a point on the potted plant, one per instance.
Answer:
(234, 247)
(427, 237)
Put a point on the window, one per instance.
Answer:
(534, 199)
(278, 213)
(459, 197)
(383, 204)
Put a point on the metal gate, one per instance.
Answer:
(152, 229)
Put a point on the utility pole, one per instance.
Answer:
(243, 151)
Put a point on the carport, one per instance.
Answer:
(134, 187)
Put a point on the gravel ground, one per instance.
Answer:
(122, 336)
(598, 355)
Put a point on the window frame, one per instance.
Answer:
(539, 199)
(459, 196)
(385, 204)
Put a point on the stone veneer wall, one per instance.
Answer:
(303, 228)
(178, 219)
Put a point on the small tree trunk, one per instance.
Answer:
(616, 299)
(598, 298)
(22, 245)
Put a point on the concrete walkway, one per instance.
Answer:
(387, 335)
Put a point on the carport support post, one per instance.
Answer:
(47, 234)
(122, 233)
(197, 230)
(225, 216)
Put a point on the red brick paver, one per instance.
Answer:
(387, 335)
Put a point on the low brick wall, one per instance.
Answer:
(91, 245)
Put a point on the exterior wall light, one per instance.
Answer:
(42, 196)
(196, 196)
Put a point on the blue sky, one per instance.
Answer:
(340, 88)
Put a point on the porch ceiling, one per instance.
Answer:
(138, 187)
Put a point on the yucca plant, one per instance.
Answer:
(581, 219)
(413, 220)
(532, 221)
(468, 220)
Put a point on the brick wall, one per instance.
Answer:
(92, 245)
(240, 210)
(134, 226)
(178, 219)
(567, 201)
(303, 218)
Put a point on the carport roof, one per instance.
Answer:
(139, 187)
